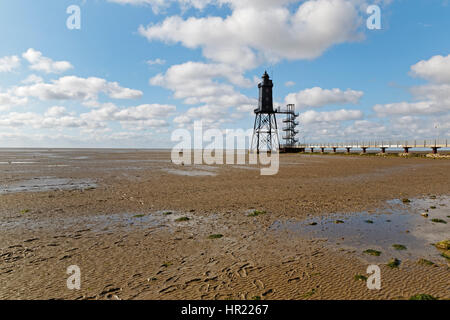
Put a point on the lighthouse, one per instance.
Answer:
(265, 131)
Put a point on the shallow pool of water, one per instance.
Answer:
(192, 172)
(398, 224)
(40, 184)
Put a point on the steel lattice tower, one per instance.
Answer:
(265, 130)
(290, 125)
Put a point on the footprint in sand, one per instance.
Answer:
(265, 294)
(204, 288)
(259, 284)
(242, 271)
(168, 289)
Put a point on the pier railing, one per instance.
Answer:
(433, 144)
(443, 143)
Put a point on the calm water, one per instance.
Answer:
(399, 223)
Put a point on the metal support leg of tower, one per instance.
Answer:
(265, 133)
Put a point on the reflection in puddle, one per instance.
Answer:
(47, 184)
(401, 224)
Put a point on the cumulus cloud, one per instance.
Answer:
(431, 98)
(318, 97)
(138, 118)
(210, 85)
(102, 137)
(39, 121)
(366, 129)
(436, 69)
(76, 88)
(40, 63)
(312, 116)
(199, 83)
(393, 129)
(56, 111)
(158, 5)
(8, 100)
(8, 64)
(408, 108)
(208, 114)
(142, 117)
(261, 31)
(144, 112)
(58, 117)
(433, 92)
(32, 78)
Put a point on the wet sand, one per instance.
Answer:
(115, 214)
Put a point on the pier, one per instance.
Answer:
(383, 146)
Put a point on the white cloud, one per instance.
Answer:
(212, 116)
(394, 129)
(8, 100)
(200, 72)
(261, 31)
(366, 129)
(32, 78)
(76, 88)
(158, 5)
(196, 83)
(433, 92)
(312, 116)
(38, 121)
(56, 111)
(419, 127)
(141, 117)
(201, 83)
(40, 63)
(397, 128)
(409, 108)
(157, 61)
(105, 112)
(431, 98)
(92, 128)
(436, 69)
(289, 83)
(8, 64)
(144, 112)
(91, 138)
(318, 97)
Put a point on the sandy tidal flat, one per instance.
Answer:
(140, 227)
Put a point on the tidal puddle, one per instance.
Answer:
(47, 184)
(399, 224)
(193, 172)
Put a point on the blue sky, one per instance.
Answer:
(138, 69)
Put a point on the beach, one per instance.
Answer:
(141, 227)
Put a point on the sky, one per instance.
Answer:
(137, 70)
